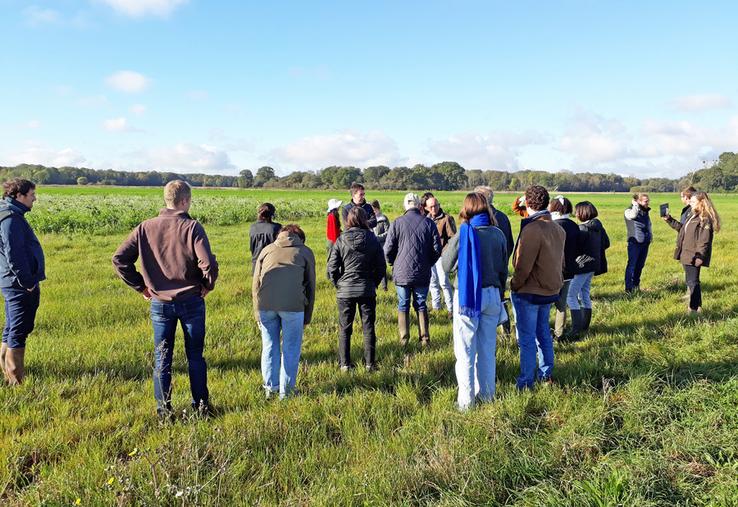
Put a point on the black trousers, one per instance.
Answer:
(346, 313)
(692, 277)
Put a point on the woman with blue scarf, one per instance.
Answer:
(478, 254)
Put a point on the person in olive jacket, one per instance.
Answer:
(591, 261)
(356, 266)
(694, 243)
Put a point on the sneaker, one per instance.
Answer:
(371, 367)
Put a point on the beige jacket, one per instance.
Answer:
(539, 258)
(284, 277)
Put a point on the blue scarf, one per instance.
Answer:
(470, 267)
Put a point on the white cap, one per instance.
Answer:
(410, 201)
(333, 204)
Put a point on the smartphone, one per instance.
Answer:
(664, 209)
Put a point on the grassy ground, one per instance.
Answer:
(643, 413)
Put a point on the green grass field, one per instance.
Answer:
(644, 411)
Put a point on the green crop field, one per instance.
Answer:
(644, 411)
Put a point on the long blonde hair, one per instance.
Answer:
(706, 210)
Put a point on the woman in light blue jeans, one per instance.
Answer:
(479, 255)
(283, 295)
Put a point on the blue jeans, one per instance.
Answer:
(279, 369)
(637, 253)
(534, 340)
(475, 346)
(578, 296)
(20, 315)
(418, 294)
(190, 313)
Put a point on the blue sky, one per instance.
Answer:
(637, 88)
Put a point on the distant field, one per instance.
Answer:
(643, 413)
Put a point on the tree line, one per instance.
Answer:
(722, 176)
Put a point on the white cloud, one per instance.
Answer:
(128, 81)
(33, 124)
(189, 157)
(230, 143)
(498, 150)
(592, 139)
(701, 102)
(119, 124)
(36, 16)
(35, 153)
(139, 8)
(138, 109)
(341, 148)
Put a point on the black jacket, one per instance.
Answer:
(593, 241)
(571, 245)
(261, 234)
(412, 247)
(356, 264)
(371, 218)
(503, 223)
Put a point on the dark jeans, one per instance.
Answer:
(637, 253)
(20, 315)
(346, 312)
(692, 276)
(164, 317)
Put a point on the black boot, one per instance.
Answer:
(576, 327)
(586, 318)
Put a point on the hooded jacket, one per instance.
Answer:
(22, 263)
(261, 234)
(284, 277)
(356, 264)
(593, 241)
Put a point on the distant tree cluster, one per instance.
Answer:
(722, 176)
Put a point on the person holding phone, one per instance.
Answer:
(640, 235)
(694, 243)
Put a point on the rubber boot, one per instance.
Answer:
(3, 352)
(576, 327)
(403, 326)
(424, 328)
(586, 319)
(559, 324)
(14, 367)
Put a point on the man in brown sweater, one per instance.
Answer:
(177, 271)
(538, 261)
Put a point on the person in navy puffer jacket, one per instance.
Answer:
(412, 247)
(22, 268)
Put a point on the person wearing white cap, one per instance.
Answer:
(332, 223)
(412, 247)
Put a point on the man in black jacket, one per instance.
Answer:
(412, 247)
(357, 199)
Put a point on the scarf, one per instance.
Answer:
(470, 267)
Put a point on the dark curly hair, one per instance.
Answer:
(17, 186)
(536, 198)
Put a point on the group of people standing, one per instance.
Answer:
(553, 258)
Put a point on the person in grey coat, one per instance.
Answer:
(412, 247)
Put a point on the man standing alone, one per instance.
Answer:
(177, 271)
(640, 235)
(21, 271)
(412, 247)
(440, 282)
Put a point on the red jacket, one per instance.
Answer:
(332, 226)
